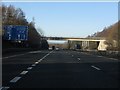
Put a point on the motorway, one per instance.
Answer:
(59, 69)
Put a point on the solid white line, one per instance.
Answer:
(24, 72)
(113, 58)
(96, 67)
(99, 56)
(20, 54)
(35, 52)
(4, 88)
(14, 56)
(15, 79)
(29, 68)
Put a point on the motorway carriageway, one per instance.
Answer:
(59, 69)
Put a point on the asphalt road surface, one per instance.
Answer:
(59, 69)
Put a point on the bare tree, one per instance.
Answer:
(40, 31)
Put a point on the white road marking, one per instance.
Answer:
(35, 52)
(99, 56)
(48, 54)
(51, 52)
(78, 58)
(20, 54)
(113, 58)
(33, 65)
(108, 58)
(87, 53)
(36, 62)
(44, 57)
(24, 72)
(40, 60)
(95, 67)
(29, 68)
(4, 88)
(72, 55)
(15, 79)
(14, 56)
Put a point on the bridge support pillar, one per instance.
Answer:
(85, 44)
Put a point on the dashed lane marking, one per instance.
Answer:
(15, 79)
(40, 60)
(95, 67)
(113, 58)
(44, 57)
(99, 56)
(4, 88)
(29, 68)
(36, 62)
(24, 72)
(33, 65)
(108, 58)
(78, 58)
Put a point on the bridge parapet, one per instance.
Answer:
(73, 38)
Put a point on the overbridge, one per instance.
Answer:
(95, 43)
(73, 38)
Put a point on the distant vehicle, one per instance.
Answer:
(53, 47)
(50, 48)
(57, 48)
(15, 32)
(77, 46)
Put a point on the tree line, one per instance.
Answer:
(111, 34)
(15, 16)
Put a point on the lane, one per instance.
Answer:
(13, 66)
(10, 55)
(62, 69)
(107, 65)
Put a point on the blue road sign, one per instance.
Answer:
(15, 32)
